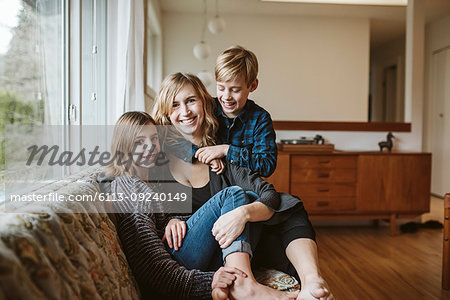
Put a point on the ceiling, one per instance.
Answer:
(387, 22)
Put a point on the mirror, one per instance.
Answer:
(387, 81)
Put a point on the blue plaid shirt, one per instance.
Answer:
(251, 138)
(250, 135)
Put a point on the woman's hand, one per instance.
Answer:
(222, 280)
(217, 166)
(229, 226)
(174, 233)
(207, 154)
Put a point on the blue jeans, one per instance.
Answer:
(200, 248)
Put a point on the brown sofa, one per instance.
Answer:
(72, 255)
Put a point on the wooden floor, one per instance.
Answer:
(367, 263)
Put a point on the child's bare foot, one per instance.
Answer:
(220, 294)
(248, 288)
(315, 288)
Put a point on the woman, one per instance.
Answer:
(135, 147)
(184, 103)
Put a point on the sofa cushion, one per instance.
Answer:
(56, 251)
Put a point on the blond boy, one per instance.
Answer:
(246, 136)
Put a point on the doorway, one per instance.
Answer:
(440, 137)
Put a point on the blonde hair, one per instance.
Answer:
(126, 130)
(234, 62)
(170, 87)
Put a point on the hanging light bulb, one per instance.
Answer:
(202, 50)
(217, 24)
(206, 77)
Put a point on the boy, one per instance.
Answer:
(245, 134)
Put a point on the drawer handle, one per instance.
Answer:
(323, 190)
(323, 175)
(324, 161)
(322, 203)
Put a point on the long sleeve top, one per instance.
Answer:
(151, 264)
(251, 138)
(250, 135)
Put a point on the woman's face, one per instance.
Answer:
(146, 146)
(187, 112)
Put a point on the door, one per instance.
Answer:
(440, 145)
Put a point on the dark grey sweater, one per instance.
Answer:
(155, 270)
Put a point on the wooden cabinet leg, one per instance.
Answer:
(393, 224)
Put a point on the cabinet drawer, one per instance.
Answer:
(320, 204)
(322, 161)
(323, 175)
(324, 190)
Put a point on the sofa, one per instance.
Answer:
(60, 251)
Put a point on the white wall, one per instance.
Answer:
(311, 68)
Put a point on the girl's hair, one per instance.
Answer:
(170, 87)
(125, 131)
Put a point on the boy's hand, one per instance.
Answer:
(217, 166)
(207, 154)
(176, 230)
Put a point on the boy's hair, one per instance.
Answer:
(234, 62)
(125, 131)
(170, 87)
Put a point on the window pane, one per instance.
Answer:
(31, 74)
(93, 21)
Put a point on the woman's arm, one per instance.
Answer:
(257, 211)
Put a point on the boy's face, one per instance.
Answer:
(233, 95)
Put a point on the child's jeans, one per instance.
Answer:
(199, 249)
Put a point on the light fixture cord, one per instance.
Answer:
(217, 8)
(204, 21)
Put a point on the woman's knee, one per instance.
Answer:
(234, 193)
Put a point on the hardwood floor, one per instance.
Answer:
(368, 263)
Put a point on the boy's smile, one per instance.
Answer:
(233, 95)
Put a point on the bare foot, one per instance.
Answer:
(315, 288)
(248, 288)
(220, 294)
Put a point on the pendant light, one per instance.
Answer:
(217, 24)
(202, 49)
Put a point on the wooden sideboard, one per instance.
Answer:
(357, 185)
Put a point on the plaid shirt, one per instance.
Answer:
(251, 138)
(250, 135)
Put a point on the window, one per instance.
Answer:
(93, 66)
(31, 76)
(37, 59)
(153, 51)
